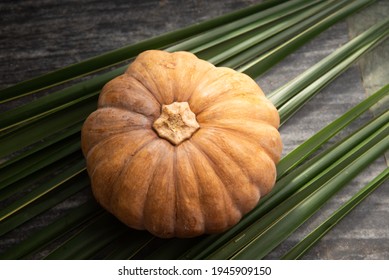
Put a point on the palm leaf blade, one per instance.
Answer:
(291, 183)
(124, 53)
(50, 200)
(258, 66)
(310, 240)
(282, 223)
(298, 215)
(137, 245)
(41, 238)
(103, 229)
(303, 151)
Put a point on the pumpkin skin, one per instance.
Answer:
(206, 182)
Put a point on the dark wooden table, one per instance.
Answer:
(40, 36)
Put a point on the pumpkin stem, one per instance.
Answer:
(176, 122)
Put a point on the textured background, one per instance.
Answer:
(39, 36)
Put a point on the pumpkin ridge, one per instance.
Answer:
(103, 142)
(120, 106)
(198, 89)
(127, 111)
(194, 230)
(175, 175)
(214, 88)
(247, 140)
(215, 170)
(148, 193)
(156, 86)
(207, 83)
(185, 67)
(195, 172)
(155, 81)
(212, 123)
(240, 109)
(146, 87)
(128, 161)
(149, 118)
(236, 165)
(97, 170)
(223, 97)
(126, 212)
(226, 154)
(119, 134)
(204, 74)
(121, 89)
(239, 135)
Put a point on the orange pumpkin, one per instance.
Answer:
(180, 147)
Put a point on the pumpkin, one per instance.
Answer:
(180, 147)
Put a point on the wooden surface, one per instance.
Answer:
(39, 36)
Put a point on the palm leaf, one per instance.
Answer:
(241, 26)
(96, 234)
(254, 243)
(58, 117)
(304, 245)
(272, 237)
(73, 219)
(119, 55)
(62, 99)
(289, 184)
(278, 32)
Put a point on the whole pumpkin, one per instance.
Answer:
(180, 147)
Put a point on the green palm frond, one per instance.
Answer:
(299, 249)
(117, 56)
(41, 163)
